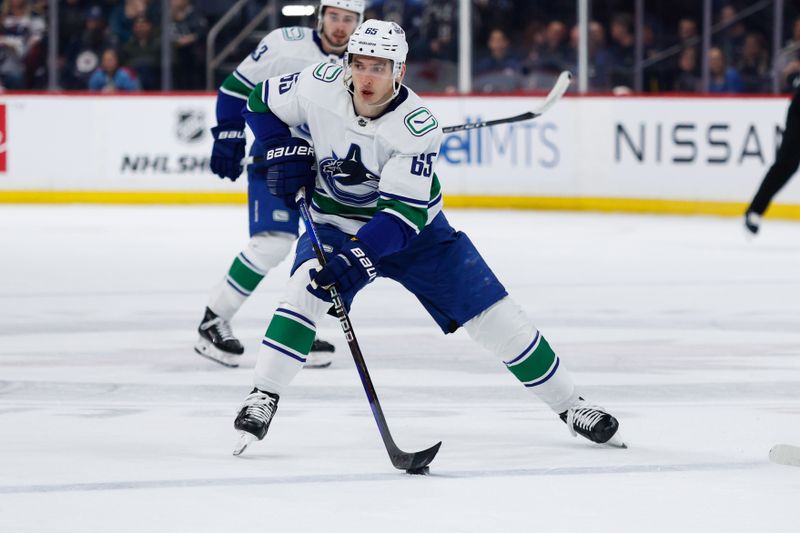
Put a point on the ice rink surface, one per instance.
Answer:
(109, 421)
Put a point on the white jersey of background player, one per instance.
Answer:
(378, 205)
(273, 226)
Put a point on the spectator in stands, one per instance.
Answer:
(687, 79)
(622, 50)
(533, 35)
(731, 38)
(788, 60)
(546, 61)
(143, 54)
(724, 79)
(188, 38)
(21, 43)
(120, 21)
(687, 32)
(111, 76)
(658, 76)
(598, 55)
(499, 58)
(553, 55)
(84, 51)
(497, 71)
(12, 70)
(753, 66)
(433, 46)
(438, 28)
(599, 58)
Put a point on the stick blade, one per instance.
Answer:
(555, 94)
(414, 461)
(785, 454)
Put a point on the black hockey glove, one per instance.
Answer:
(228, 150)
(290, 165)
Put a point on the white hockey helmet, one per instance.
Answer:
(356, 6)
(378, 38)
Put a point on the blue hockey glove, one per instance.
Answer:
(290, 165)
(228, 150)
(350, 270)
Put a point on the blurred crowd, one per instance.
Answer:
(518, 45)
(103, 45)
(740, 58)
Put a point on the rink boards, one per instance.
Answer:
(653, 154)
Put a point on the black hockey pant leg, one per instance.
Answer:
(786, 162)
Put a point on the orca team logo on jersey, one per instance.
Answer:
(191, 125)
(3, 137)
(420, 121)
(348, 180)
(327, 72)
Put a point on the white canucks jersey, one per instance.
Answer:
(364, 165)
(283, 50)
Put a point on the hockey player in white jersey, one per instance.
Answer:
(273, 225)
(378, 205)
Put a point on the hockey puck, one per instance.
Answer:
(418, 471)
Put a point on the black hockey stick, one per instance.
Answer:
(558, 90)
(414, 462)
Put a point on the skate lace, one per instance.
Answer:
(222, 327)
(584, 416)
(260, 406)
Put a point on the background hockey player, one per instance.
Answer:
(786, 162)
(378, 204)
(273, 225)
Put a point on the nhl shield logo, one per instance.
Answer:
(191, 125)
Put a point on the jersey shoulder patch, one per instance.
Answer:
(327, 72)
(420, 121)
(293, 33)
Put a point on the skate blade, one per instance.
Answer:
(317, 365)
(616, 441)
(785, 454)
(318, 360)
(207, 350)
(245, 439)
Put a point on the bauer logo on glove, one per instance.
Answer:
(231, 135)
(365, 261)
(286, 151)
(290, 166)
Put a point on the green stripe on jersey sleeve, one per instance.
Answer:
(255, 103)
(417, 216)
(234, 86)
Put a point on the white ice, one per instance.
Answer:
(109, 422)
